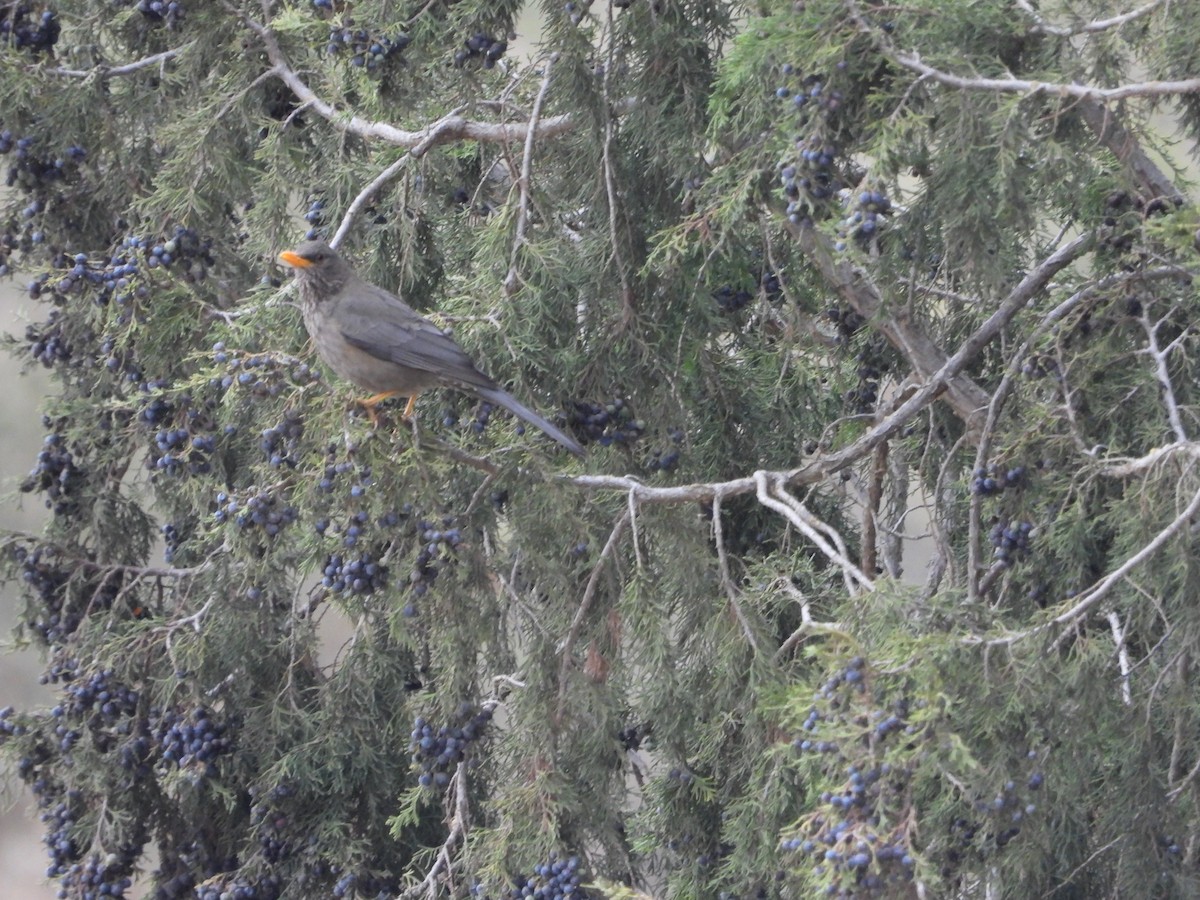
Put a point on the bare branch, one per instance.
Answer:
(1118, 633)
(807, 623)
(444, 862)
(1091, 27)
(451, 127)
(772, 495)
(610, 186)
(1159, 356)
(525, 181)
(377, 183)
(106, 71)
(913, 63)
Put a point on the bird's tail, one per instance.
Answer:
(508, 401)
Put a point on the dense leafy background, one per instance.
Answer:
(812, 280)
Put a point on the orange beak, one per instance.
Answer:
(294, 260)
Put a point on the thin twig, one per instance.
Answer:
(525, 180)
(1105, 585)
(444, 863)
(1096, 25)
(386, 177)
(731, 592)
(105, 71)
(585, 604)
(1159, 356)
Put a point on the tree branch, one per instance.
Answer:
(525, 181)
(1092, 27)
(913, 63)
(102, 70)
(448, 129)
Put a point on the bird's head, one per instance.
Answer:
(318, 266)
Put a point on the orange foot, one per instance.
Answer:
(370, 404)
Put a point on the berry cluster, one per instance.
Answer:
(172, 540)
(165, 12)
(611, 423)
(810, 180)
(46, 577)
(437, 751)
(273, 822)
(229, 887)
(731, 299)
(185, 254)
(107, 876)
(848, 849)
(852, 852)
(665, 460)
(366, 50)
(992, 480)
(847, 321)
(60, 812)
(56, 475)
(100, 698)
(47, 344)
(573, 12)
(808, 93)
(862, 399)
(76, 273)
(315, 217)
(480, 420)
(870, 358)
(437, 545)
(863, 221)
(483, 414)
(481, 46)
(335, 469)
(279, 442)
(179, 451)
(361, 575)
(364, 884)
(23, 29)
(1011, 541)
(997, 819)
(33, 174)
(157, 408)
(261, 510)
(260, 373)
(554, 879)
(192, 740)
(1041, 365)
(9, 725)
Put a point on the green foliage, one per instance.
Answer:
(820, 285)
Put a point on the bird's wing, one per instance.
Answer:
(381, 324)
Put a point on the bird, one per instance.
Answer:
(373, 339)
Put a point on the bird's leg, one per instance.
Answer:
(369, 404)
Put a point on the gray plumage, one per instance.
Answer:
(374, 339)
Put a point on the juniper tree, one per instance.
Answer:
(810, 280)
